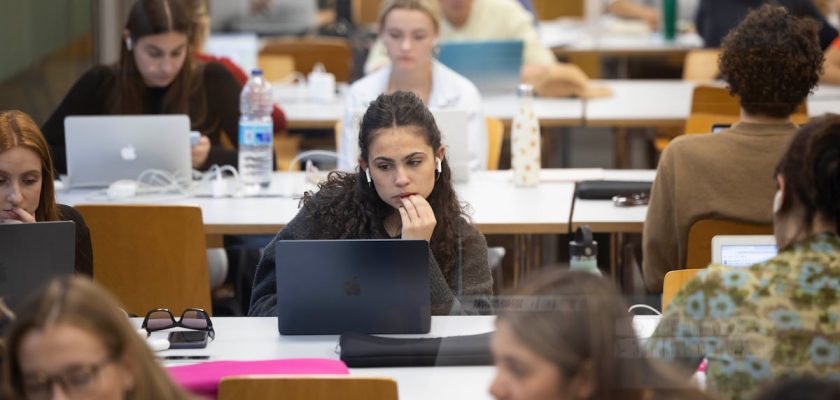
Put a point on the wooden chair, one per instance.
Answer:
(674, 282)
(495, 136)
(701, 65)
(699, 250)
(150, 256)
(276, 67)
(307, 388)
(333, 52)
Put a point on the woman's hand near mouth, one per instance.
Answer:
(418, 218)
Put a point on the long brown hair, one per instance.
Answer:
(185, 94)
(348, 208)
(18, 129)
(81, 303)
(581, 318)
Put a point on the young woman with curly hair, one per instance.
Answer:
(771, 62)
(402, 189)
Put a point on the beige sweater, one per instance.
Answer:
(728, 175)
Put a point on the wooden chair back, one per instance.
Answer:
(150, 256)
(276, 67)
(333, 52)
(674, 282)
(701, 65)
(699, 249)
(717, 100)
(307, 388)
(495, 136)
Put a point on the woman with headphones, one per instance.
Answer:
(402, 190)
(155, 75)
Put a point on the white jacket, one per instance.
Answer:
(450, 91)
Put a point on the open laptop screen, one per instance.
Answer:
(743, 250)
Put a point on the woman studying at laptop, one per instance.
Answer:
(155, 75)
(401, 190)
(26, 183)
(409, 30)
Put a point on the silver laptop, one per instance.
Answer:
(25, 266)
(453, 126)
(453, 130)
(742, 250)
(104, 149)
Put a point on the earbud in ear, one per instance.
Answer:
(439, 163)
(777, 202)
(129, 44)
(367, 175)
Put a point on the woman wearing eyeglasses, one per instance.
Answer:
(73, 341)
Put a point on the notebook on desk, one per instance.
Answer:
(370, 286)
(32, 254)
(493, 66)
(742, 250)
(105, 149)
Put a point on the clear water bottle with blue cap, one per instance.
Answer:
(583, 252)
(256, 133)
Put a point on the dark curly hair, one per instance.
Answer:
(346, 207)
(771, 61)
(811, 168)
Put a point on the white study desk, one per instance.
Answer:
(250, 338)
(612, 37)
(303, 113)
(648, 103)
(498, 207)
(603, 216)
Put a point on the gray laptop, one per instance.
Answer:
(329, 287)
(492, 65)
(32, 254)
(104, 149)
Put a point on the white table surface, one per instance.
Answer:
(604, 216)
(304, 113)
(497, 205)
(611, 36)
(249, 338)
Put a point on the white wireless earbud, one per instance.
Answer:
(129, 44)
(367, 175)
(439, 164)
(777, 202)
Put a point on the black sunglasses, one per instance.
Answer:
(192, 318)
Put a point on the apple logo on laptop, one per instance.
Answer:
(353, 287)
(128, 153)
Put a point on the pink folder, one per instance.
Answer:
(203, 379)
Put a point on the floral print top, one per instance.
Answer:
(760, 323)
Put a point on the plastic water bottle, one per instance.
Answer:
(256, 133)
(669, 20)
(583, 252)
(525, 140)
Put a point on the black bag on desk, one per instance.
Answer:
(362, 350)
(605, 190)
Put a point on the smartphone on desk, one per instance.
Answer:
(187, 340)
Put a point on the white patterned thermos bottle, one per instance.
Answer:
(525, 140)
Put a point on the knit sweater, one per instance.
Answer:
(470, 276)
(728, 175)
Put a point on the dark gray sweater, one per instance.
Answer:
(470, 276)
